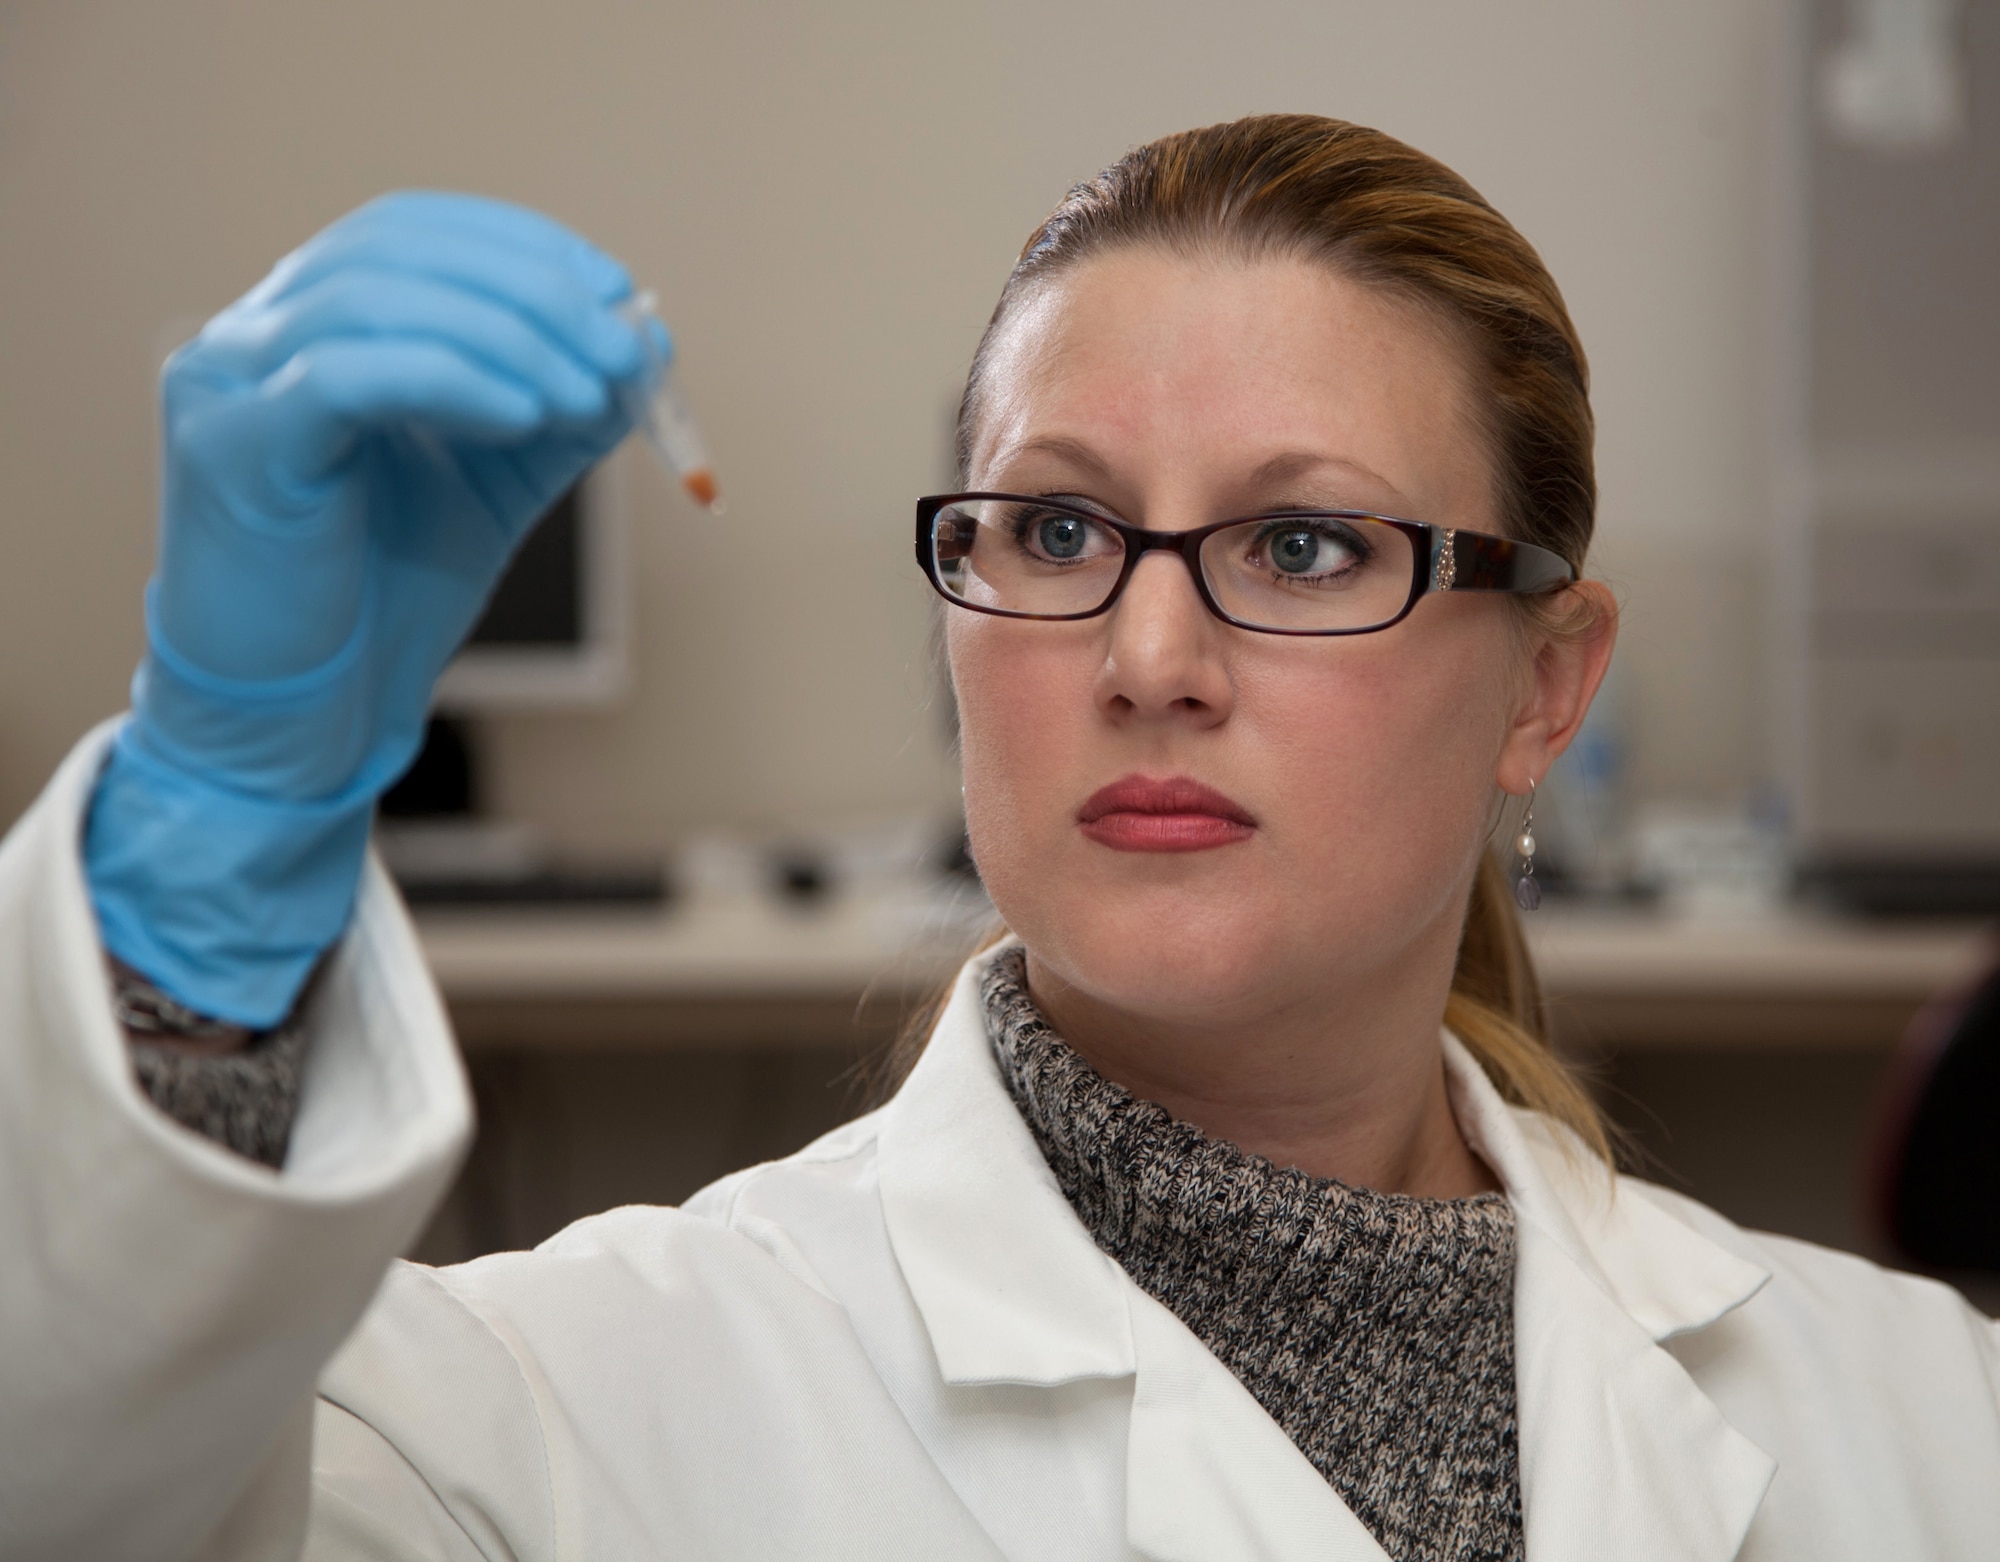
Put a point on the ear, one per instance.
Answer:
(1568, 667)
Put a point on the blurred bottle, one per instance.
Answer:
(1711, 862)
(1580, 807)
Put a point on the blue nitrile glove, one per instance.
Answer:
(353, 451)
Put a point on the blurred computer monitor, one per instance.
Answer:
(555, 634)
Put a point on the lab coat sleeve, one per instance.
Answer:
(165, 1305)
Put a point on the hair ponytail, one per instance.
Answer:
(1495, 1008)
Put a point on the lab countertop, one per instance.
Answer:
(1580, 952)
(758, 967)
(712, 948)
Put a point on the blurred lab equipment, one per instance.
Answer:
(661, 413)
(908, 870)
(443, 849)
(1710, 863)
(1885, 570)
(1895, 84)
(1580, 806)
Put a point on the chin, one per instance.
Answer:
(1165, 952)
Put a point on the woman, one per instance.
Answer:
(1190, 1233)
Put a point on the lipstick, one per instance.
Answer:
(1179, 814)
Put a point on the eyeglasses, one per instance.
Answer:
(1288, 572)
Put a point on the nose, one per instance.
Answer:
(1165, 659)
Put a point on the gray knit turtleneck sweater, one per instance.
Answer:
(1377, 1329)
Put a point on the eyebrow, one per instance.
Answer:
(1063, 449)
(1290, 465)
(1285, 467)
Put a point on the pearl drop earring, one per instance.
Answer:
(1527, 893)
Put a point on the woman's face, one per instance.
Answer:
(1359, 773)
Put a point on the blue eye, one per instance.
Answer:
(1061, 536)
(1294, 552)
(1320, 550)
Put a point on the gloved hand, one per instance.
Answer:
(353, 452)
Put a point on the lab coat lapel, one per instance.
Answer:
(1621, 1451)
(1209, 1476)
(1012, 1290)
(1010, 1285)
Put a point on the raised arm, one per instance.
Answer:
(353, 451)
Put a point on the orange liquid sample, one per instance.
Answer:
(701, 486)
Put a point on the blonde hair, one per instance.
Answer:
(1495, 1008)
(1385, 214)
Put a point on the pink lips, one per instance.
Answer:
(1179, 814)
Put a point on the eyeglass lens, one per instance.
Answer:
(1298, 572)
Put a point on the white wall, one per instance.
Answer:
(827, 198)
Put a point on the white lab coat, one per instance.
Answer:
(898, 1343)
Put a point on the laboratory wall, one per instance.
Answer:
(827, 199)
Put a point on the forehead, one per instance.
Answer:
(1207, 369)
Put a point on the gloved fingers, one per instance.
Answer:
(365, 306)
(332, 392)
(503, 222)
(526, 479)
(481, 220)
(548, 288)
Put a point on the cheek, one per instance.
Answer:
(1378, 756)
(1370, 725)
(1025, 704)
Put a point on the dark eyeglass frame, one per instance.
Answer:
(1443, 558)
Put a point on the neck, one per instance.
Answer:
(1345, 1084)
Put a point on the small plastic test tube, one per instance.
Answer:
(661, 413)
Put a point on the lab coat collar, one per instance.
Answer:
(1616, 1440)
(1011, 1287)
(1619, 1447)
(1668, 1277)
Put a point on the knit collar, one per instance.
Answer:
(1135, 1174)
(1375, 1328)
